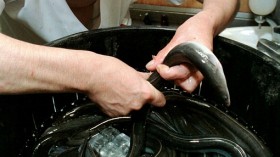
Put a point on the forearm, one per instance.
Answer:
(205, 25)
(115, 86)
(219, 13)
(32, 68)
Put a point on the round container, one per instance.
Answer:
(252, 77)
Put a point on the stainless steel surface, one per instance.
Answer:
(270, 48)
(276, 34)
(177, 15)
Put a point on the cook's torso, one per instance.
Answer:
(40, 21)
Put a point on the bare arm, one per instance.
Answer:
(202, 27)
(220, 12)
(29, 68)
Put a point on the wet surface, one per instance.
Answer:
(253, 82)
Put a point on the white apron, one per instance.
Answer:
(2, 5)
(53, 19)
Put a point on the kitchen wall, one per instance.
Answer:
(189, 4)
(151, 12)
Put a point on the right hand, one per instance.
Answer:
(119, 89)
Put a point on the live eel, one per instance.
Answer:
(205, 61)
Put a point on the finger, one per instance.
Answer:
(158, 59)
(154, 62)
(115, 110)
(191, 83)
(174, 72)
(157, 98)
(110, 113)
(145, 75)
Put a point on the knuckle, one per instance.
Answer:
(147, 94)
(136, 106)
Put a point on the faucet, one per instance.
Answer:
(271, 48)
(261, 9)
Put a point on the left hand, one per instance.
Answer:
(197, 29)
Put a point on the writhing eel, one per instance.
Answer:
(204, 60)
(193, 53)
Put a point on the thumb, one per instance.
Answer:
(158, 59)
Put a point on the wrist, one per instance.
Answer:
(199, 28)
(84, 73)
(220, 13)
(209, 20)
(92, 72)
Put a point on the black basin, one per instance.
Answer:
(253, 81)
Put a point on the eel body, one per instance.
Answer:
(205, 61)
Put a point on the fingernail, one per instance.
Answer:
(151, 63)
(162, 67)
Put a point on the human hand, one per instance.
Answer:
(119, 89)
(115, 86)
(185, 75)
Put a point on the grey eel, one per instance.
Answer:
(190, 52)
(204, 60)
(200, 57)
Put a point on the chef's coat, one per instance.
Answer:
(48, 20)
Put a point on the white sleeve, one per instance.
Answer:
(2, 6)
